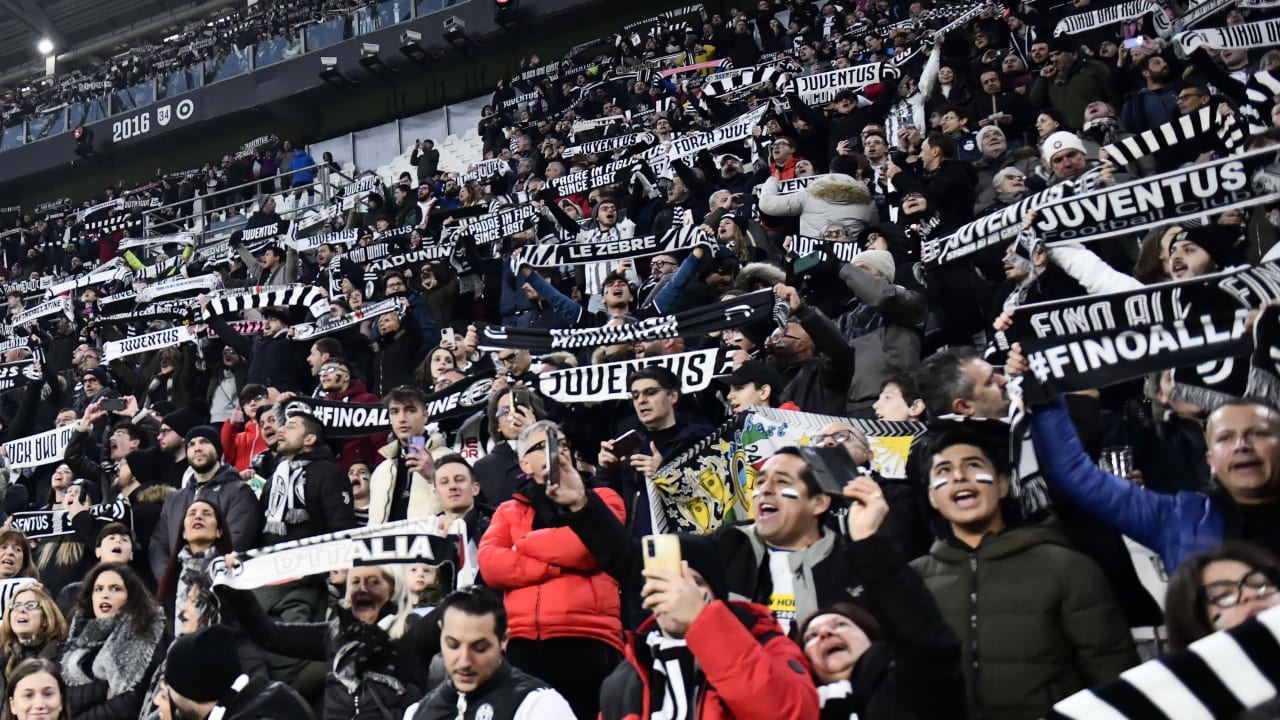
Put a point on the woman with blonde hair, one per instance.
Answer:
(33, 627)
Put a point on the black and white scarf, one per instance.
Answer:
(266, 296)
(718, 316)
(286, 505)
(673, 678)
(1219, 676)
(1186, 128)
(1264, 370)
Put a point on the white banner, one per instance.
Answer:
(43, 310)
(179, 285)
(116, 349)
(1109, 15)
(733, 131)
(153, 241)
(821, 89)
(39, 449)
(329, 324)
(1260, 34)
(112, 270)
(342, 237)
(402, 541)
(608, 381)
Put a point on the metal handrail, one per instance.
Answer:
(321, 187)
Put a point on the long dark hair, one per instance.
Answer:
(139, 602)
(1186, 613)
(173, 570)
(34, 666)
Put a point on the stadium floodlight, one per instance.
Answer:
(330, 73)
(45, 46)
(455, 31)
(411, 47)
(370, 61)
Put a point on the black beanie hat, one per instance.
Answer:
(183, 419)
(203, 666)
(208, 432)
(146, 465)
(1217, 240)
(703, 554)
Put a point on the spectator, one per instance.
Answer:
(401, 484)
(1034, 646)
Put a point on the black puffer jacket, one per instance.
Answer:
(381, 691)
(913, 670)
(820, 384)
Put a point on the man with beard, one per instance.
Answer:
(208, 479)
(1070, 82)
(306, 496)
(337, 384)
(1155, 104)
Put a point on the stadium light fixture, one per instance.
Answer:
(411, 47)
(455, 32)
(370, 61)
(330, 73)
(45, 46)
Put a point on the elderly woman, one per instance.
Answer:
(565, 612)
(895, 658)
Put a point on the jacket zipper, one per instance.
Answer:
(973, 629)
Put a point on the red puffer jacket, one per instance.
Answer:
(752, 671)
(554, 589)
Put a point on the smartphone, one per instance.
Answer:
(1135, 42)
(627, 444)
(806, 264)
(553, 459)
(832, 467)
(446, 338)
(661, 552)
(418, 441)
(113, 405)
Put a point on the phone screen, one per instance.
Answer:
(553, 459)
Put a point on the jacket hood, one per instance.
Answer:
(839, 189)
(759, 273)
(320, 452)
(356, 389)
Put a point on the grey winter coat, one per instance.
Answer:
(831, 199)
(891, 347)
(232, 495)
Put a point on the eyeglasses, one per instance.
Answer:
(541, 445)
(833, 233)
(660, 263)
(1228, 594)
(838, 437)
(29, 606)
(647, 392)
(327, 369)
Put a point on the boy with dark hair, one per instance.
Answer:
(1039, 615)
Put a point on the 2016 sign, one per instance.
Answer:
(140, 124)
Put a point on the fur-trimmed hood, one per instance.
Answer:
(759, 273)
(839, 189)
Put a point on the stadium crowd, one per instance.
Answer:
(206, 44)
(460, 454)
